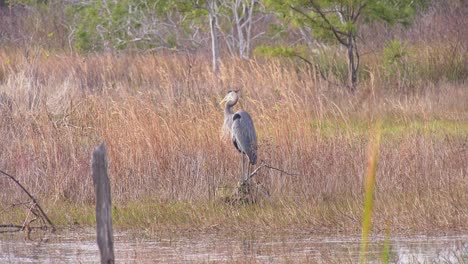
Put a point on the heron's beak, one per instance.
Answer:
(222, 101)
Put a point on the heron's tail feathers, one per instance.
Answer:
(253, 158)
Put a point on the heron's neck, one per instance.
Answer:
(228, 108)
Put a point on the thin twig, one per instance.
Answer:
(32, 198)
(266, 165)
(10, 228)
(14, 205)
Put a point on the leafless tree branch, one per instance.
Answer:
(335, 32)
(35, 203)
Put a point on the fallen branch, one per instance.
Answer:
(10, 228)
(35, 203)
(265, 165)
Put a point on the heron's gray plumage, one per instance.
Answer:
(243, 132)
(241, 128)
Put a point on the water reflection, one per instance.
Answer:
(80, 247)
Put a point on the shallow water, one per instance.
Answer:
(80, 247)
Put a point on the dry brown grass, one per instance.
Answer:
(160, 118)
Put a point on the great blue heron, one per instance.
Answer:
(240, 127)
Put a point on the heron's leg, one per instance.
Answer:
(243, 177)
(248, 170)
(246, 175)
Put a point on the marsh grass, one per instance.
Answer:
(160, 118)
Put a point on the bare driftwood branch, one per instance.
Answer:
(10, 228)
(42, 214)
(266, 165)
(104, 231)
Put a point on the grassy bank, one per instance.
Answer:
(160, 118)
(402, 215)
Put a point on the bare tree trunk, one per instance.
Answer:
(243, 15)
(240, 33)
(214, 34)
(105, 237)
(249, 29)
(353, 62)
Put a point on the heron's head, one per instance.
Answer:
(231, 97)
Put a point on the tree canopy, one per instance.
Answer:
(339, 20)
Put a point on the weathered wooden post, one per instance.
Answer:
(105, 237)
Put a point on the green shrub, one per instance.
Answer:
(332, 64)
(396, 63)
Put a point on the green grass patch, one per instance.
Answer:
(184, 215)
(391, 127)
(342, 214)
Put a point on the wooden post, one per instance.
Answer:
(105, 237)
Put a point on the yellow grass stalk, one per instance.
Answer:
(373, 156)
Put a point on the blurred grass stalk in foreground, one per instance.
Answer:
(373, 156)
